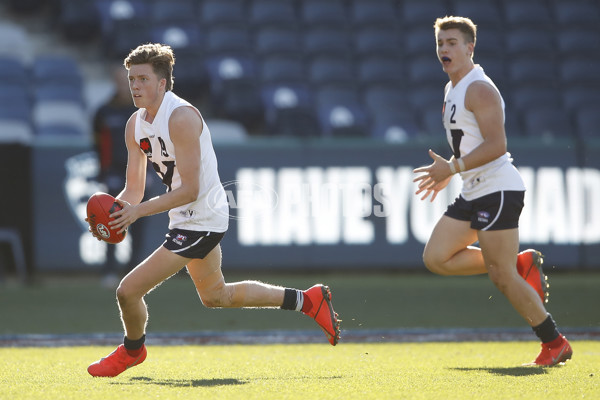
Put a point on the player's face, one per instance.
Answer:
(453, 51)
(145, 86)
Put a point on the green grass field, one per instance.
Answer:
(314, 371)
(352, 370)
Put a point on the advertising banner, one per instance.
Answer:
(325, 205)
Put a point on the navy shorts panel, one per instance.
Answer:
(492, 212)
(192, 244)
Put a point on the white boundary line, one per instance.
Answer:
(293, 337)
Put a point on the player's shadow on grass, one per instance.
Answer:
(508, 371)
(185, 382)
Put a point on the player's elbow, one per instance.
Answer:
(190, 193)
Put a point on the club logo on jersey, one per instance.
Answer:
(179, 239)
(483, 216)
(146, 147)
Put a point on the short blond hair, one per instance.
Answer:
(463, 24)
(160, 56)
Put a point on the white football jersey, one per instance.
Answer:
(210, 212)
(463, 134)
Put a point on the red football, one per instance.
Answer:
(99, 207)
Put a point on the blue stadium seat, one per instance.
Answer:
(577, 41)
(527, 41)
(577, 97)
(340, 112)
(422, 13)
(581, 13)
(272, 12)
(431, 120)
(532, 70)
(219, 12)
(485, 14)
(69, 116)
(56, 68)
(327, 41)
(283, 68)
(228, 39)
(271, 40)
(319, 13)
(420, 41)
(379, 70)
(494, 67)
(523, 97)
(377, 41)
(369, 13)
(79, 20)
(50, 91)
(289, 110)
(426, 71)
(13, 71)
(15, 104)
(178, 35)
(191, 77)
(397, 126)
(531, 13)
(547, 122)
(174, 11)
(384, 98)
(580, 72)
(326, 70)
(125, 36)
(234, 88)
(15, 43)
(118, 10)
(423, 97)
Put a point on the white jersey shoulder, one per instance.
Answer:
(210, 211)
(464, 135)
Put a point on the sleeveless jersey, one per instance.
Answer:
(210, 211)
(463, 134)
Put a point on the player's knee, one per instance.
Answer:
(434, 263)
(127, 294)
(499, 278)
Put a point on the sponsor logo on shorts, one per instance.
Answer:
(179, 239)
(483, 216)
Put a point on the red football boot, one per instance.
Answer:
(116, 362)
(555, 352)
(322, 312)
(529, 266)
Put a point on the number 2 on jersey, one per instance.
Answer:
(457, 134)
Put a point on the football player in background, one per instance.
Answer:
(490, 203)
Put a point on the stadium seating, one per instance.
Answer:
(283, 68)
(546, 122)
(540, 53)
(581, 13)
(369, 13)
(271, 40)
(289, 110)
(272, 13)
(340, 112)
(219, 12)
(377, 40)
(319, 13)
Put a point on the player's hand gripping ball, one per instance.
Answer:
(99, 207)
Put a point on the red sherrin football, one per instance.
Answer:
(99, 207)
